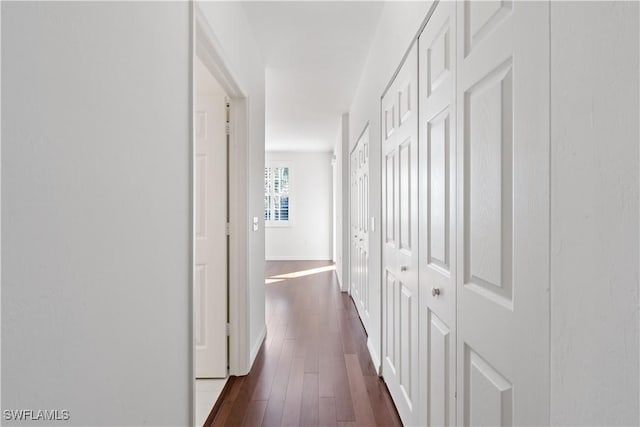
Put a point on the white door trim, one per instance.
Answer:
(208, 48)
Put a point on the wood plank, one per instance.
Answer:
(342, 390)
(311, 359)
(239, 407)
(275, 405)
(255, 412)
(326, 376)
(330, 345)
(348, 342)
(263, 386)
(310, 406)
(222, 415)
(327, 412)
(359, 395)
(281, 380)
(273, 413)
(237, 384)
(291, 411)
(384, 414)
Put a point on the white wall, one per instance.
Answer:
(229, 23)
(96, 217)
(309, 234)
(398, 25)
(594, 213)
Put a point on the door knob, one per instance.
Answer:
(435, 291)
(403, 268)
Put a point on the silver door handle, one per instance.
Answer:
(403, 268)
(435, 292)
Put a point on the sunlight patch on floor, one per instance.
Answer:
(301, 273)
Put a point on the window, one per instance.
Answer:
(276, 195)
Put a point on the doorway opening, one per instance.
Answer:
(219, 203)
(211, 270)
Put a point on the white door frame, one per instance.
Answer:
(208, 48)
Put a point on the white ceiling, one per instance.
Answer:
(314, 53)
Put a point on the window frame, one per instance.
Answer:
(280, 223)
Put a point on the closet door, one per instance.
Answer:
(503, 213)
(400, 239)
(354, 276)
(360, 228)
(437, 203)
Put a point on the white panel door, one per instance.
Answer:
(354, 226)
(400, 239)
(437, 226)
(363, 239)
(503, 213)
(360, 228)
(210, 276)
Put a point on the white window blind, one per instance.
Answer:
(276, 194)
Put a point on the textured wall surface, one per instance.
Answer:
(96, 292)
(594, 213)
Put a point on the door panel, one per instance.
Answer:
(404, 192)
(488, 399)
(210, 272)
(438, 193)
(437, 177)
(488, 185)
(389, 315)
(399, 252)
(503, 205)
(406, 343)
(440, 409)
(389, 199)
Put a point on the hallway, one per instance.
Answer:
(314, 367)
(472, 168)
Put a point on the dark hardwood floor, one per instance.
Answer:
(313, 368)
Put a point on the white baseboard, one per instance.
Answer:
(256, 347)
(344, 286)
(375, 358)
(297, 258)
